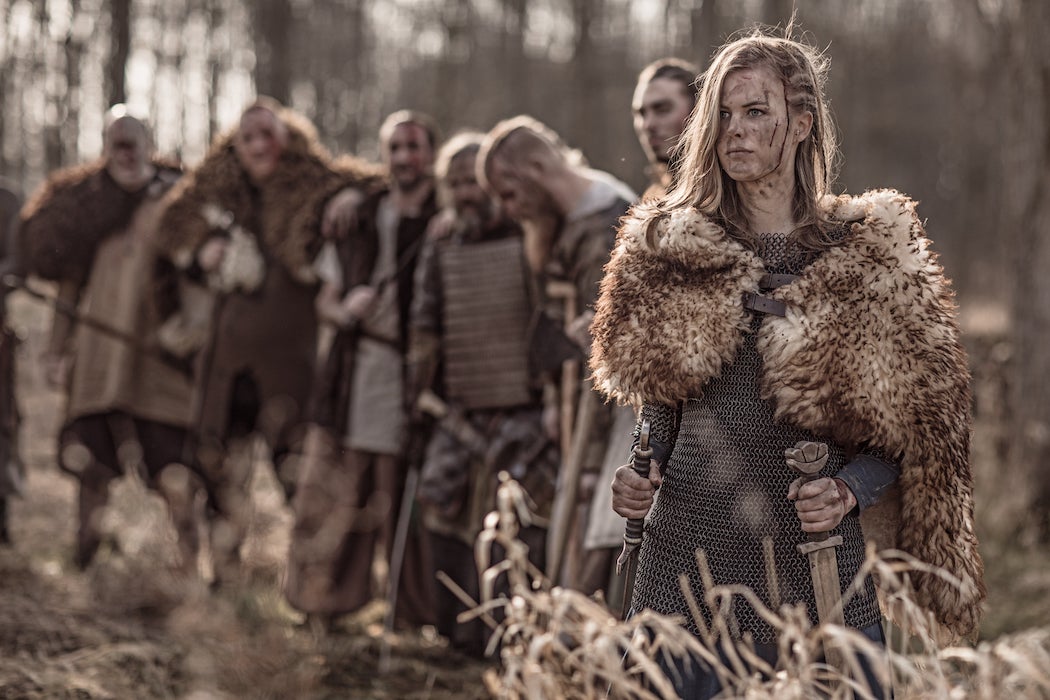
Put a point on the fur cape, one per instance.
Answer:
(73, 211)
(868, 355)
(290, 203)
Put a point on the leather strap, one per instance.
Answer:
(765, 305)
(772, 281)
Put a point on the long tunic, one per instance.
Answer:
(109, 373)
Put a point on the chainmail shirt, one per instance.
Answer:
(725, 490)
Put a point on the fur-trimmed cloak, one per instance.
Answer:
(286, 209)
(268, 335)
(868, 355)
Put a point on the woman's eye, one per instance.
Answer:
(755, 112)
(723, 114)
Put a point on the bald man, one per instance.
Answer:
(93, 230)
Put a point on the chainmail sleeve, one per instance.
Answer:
(663, 431)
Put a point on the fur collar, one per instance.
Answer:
(284, 213)
(74, 210)
(868, 355)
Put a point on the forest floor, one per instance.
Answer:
(129, 627)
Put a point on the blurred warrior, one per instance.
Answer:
(249, 222)
(353, 484)
(11, 468)
(93, 229)
(469, 332)
(663, 100)
(569, 213)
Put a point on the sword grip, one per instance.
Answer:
(642, 455)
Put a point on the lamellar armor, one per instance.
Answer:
(485, 320)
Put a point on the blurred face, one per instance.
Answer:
(259, 142)
(757, 137)
(409, 155)
(127, 151)
(661, 108)
(468, 198)
(520, 196)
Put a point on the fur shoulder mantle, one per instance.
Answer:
(74, 210)
(286, 210)
(868, 355)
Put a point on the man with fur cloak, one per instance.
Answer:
(248, 222)
(93, 230)
(751, 309)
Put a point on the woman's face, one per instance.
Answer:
(259, 143)
(757, 137)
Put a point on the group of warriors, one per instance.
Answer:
(417, 326)
(399, 337)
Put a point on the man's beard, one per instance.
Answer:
(409, 183)
(471, 221)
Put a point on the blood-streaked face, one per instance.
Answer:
(661, 108)
(409, 155)
(126, 150)
(259, 143)
(520, 196)
(757, 137)
(468, 198)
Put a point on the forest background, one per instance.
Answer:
(946, 100)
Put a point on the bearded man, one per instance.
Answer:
(361, 401)
(470, 320)
(94, 230)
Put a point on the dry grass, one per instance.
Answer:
(556, 643)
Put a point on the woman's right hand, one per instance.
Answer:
(633, 494)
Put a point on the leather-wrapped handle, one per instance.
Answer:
(643, 453)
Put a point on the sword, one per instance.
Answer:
(808, 458)
(627, 563)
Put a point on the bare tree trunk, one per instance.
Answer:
(74, 51)
(119, 49)
(515, 63)
(1027, 220)
(587, 78)
(705, 32)
(272, 20)
(216, 65)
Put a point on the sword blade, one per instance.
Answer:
(824, 569)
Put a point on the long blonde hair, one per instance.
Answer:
(700, 181)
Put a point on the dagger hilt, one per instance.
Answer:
(808, 458)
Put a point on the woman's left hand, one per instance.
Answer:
(821, 504)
